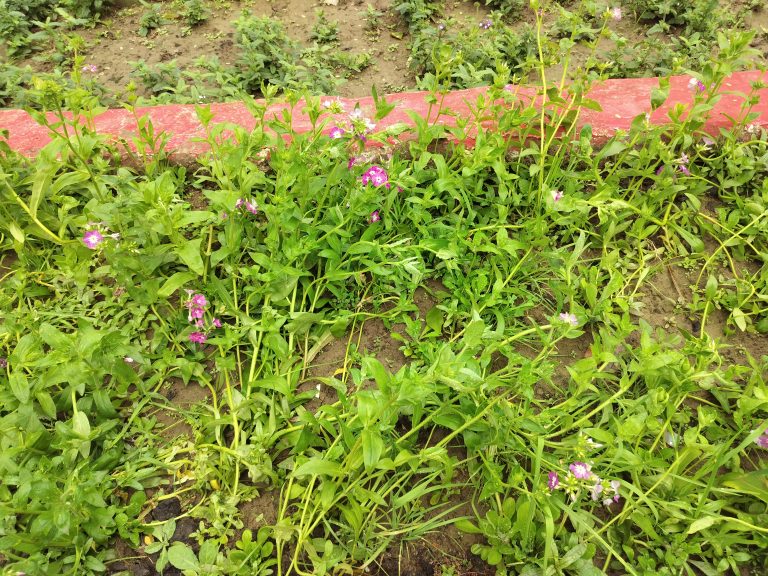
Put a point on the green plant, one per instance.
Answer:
(269, 57)
(372, 18)
(151, 19)
(195, 12)
(570, 317)
(324, 31)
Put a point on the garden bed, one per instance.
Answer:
(296, 355)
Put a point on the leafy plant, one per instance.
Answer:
(151, 19)
(195, 12)
(324, 31)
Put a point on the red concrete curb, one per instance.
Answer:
(620, 100)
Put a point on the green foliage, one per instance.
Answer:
(702, 17)
(511, 8)
(556, 303)
(324, 31)
(463, 57)
(151, 19)
(269, 57)
(195, 12)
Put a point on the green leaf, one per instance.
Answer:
(703, 523)
(19, 386)
(610, 149)
(16, 232)
(182, 557)
(467, 527)
(189, 253)
(174, 283)
(301, 322)
(373, 446)
(473, 333)
(572, 555)
(435, 318)
(659, 95)
(80, 425)
(317, 467)
(711, 290)
(739, 318)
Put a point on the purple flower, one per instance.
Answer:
(553, 480)
(581, 470)
(557, 195)
(3, 362)
(198, 338)
(92, 238)
(336, 132)
(684, 169)
(485, 24)
(374, 217)
(375, 175)
(199, 301)
(569, 318)
(252, 207)
(90, 68)
(696, 85)
(216, 323)
(659, 170)
(615, 484)
(762, 440)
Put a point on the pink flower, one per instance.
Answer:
(199, 301)
(615, 484)
(251, 207)
(351, 162)
(92, 238)
(616, 14)
(375, 175)
(553, 480)
(90, 68)
(374, 217)
(557, 195)
(336, 132)
(196, 313)
(581, 470)
(696, 85)
(3, 363)
(569, 318)
(198, 338)
(200, 323)
(485, 24)
(216, 323)
(597, 489)
(762, 440)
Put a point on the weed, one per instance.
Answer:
(324, 31)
